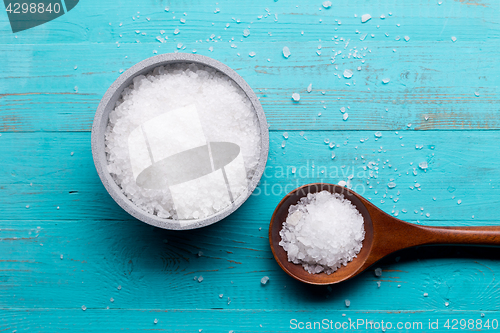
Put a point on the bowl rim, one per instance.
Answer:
(101, 119)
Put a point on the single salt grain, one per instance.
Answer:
(309, 87)
(246, 33)
(347, 73)
(111, 299)
(453, 39)
(252, 54)
(327, 4)
(378, 272)
(176, 31)
(84, 307)
(365, 18)
(322, 232)
(119, 287)
(476, 94)
(345, 116)
(378, 134)
(285, 135)
(200, 279)
(407, 38)
(423, 165)
(155, 321)
(391, 185)
(286, 52)
(221, 295)
(264, 280)
(295, 97)
(459, 201)
(386, 80)
(347, 303)
(426, 294)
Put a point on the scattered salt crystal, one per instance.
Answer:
(27, 206)
(379, 283)
(345, 116)
(252, 54)
(200, 253)
(423, 165)
(283, 144)
(459, 201)
(476, 94)
(391, 185)
(426, 294)
(386, 80)
(295, 97)
(378, 134)
(111, 299)
(347, 73)
(382, 16)
(333, 156)
(454, 39)
(407, 38)
(327, 4)
(378, 272)
(155, 321)
(322, 232)
(264, 280)
(246, 33)
(176, 31)
(119, 288)
(365, 18)
(200, 278)
(84, 307)
(446, 303)
(309, 87)
(294, 169)
(286, 52)
(221, 295)
(342, 183)
(347, 303)
(76, 67)
(285, 135)
(228, 300)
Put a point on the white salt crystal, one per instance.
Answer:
(295, 97)
(200, 279)
(342, 109)
(322, 232)
(378, 272)
(309, 87)
(459, 201)
(454, 39)
(347, 73)
(155, 321)
(327, 4)
(386, 80)
(365, 18)
(378, 134)
(264, 280)
(342, 183)
(426, 294)
(347, 303)
(246, 33)
(84, 307)
(286, 52)
(423, 165)
(176, 31)
(391, 185)
(345, 116)
(476, 93)
(252, 54)
(407, 38)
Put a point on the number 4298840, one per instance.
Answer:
(33, 7)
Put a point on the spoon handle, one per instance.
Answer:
(458, 235)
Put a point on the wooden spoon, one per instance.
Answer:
(385, 234)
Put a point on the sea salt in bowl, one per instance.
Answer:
(180, 141)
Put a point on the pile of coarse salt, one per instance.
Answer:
(219, 106)
(322, 232)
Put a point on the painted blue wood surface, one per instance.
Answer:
(65, 244)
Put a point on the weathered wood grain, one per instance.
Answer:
(50, 95)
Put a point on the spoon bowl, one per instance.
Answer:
(384, 234)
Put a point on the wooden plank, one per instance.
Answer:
(98, 22)
(425, 81)
(156, 269)
(39, 171)
(98, 320)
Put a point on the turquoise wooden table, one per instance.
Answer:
(72, 260)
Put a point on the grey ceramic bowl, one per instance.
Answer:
(107, 104)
